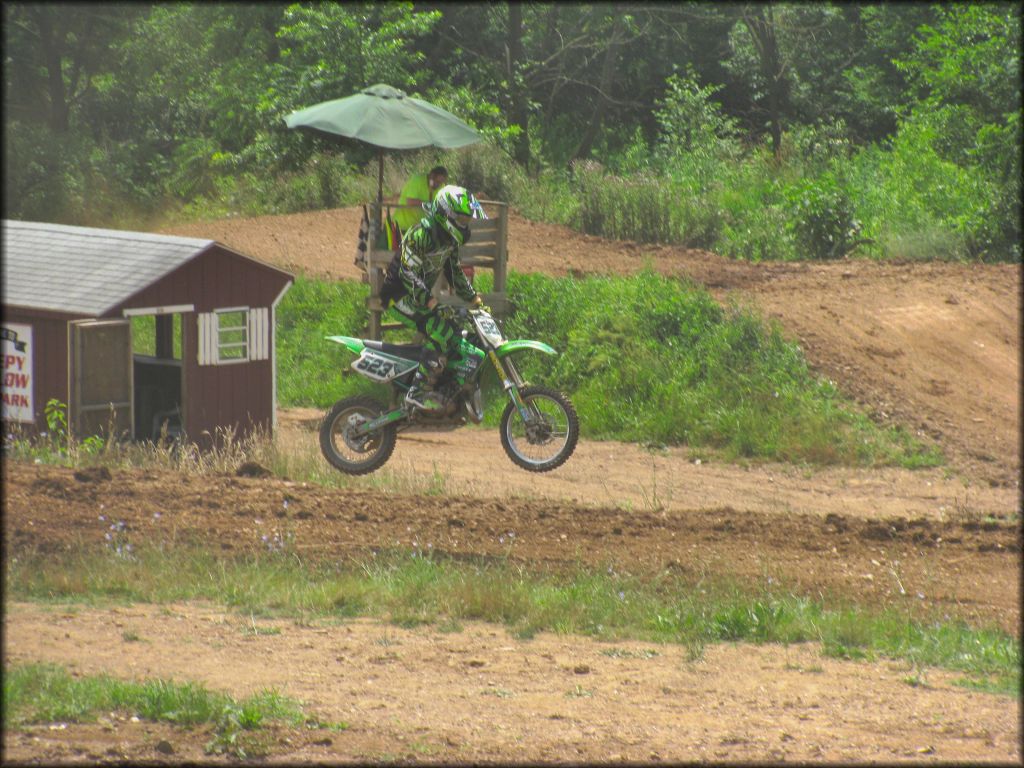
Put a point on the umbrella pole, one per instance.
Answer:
(380, 185)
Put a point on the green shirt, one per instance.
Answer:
(418, 188)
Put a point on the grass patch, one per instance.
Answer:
(311, 370)
(416, 590)
(46, 693)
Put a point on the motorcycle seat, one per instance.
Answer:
(411, 351)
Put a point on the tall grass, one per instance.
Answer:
(410, 589)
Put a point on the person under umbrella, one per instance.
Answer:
(419, 189)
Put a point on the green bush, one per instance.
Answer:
(312, 371)
(821, 218)
(649, 359)
(910, 194)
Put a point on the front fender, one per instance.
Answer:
(516, 345)
(353, 344)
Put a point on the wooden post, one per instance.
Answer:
(374, 276)
(501, 252)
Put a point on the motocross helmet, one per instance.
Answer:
(452, 209)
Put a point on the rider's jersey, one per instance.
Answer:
(427, 252)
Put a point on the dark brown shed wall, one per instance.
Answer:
(236, 395)
(215, 279)
(49, 357)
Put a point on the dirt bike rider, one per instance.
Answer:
(429, 249)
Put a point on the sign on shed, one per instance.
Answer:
(17, 382)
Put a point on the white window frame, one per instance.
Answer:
(246, 345)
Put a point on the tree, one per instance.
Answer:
(55, 51)
(761, 23)
(519, 113)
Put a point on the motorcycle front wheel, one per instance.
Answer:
(548, 437)
(355, 455)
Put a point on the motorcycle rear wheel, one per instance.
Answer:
(356, 455)
(550, 439)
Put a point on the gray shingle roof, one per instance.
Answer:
(84, 270)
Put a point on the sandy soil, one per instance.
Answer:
(479, 695)
(932, 347)
(427, 695)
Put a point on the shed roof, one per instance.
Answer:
(83, 270)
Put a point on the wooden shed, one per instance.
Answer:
(79, 302)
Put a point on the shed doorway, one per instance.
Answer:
(100, 388)
(157, 354)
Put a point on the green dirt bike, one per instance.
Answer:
(539, 427)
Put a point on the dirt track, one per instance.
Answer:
(932, 347)
(425, 695)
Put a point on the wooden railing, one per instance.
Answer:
(487, 249)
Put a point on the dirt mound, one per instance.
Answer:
(932, 347)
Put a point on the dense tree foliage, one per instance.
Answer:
(819, 111)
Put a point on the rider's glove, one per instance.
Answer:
(478, 303)
(445, 312)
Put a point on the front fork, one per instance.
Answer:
(511, 382)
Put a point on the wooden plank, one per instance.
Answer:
(484, 227)
(479, 261)
(480, 249)
(376, 258)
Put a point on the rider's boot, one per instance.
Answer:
(422, 394)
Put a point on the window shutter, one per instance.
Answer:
(207, 338)
(259, 333)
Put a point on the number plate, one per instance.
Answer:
(380, 367)
(489, 329)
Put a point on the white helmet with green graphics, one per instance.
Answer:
(452, 209)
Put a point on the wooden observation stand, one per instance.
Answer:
(487, 248)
